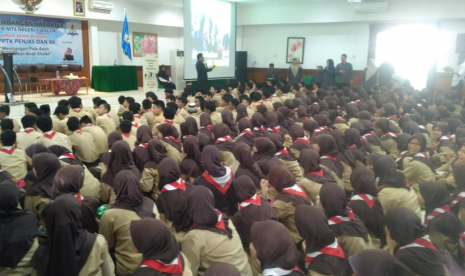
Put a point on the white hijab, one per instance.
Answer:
(372, 69)
(295, 66)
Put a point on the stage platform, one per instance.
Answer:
(17, 111)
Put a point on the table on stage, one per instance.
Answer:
(70, 86)
(114, 78)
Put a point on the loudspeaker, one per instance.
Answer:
(241, 65)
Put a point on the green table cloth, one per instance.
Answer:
(114, 78)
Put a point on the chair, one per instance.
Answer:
(24, 72)
(34, 79)
(307, 80)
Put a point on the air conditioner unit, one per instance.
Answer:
(376, 7)
(101, 5)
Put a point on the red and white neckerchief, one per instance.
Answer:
(295, 190)
(29, 130)
(255, 200)
(370, 133)
(79, 132)
(8, 117)
(261, 128)
(274, 96)
(423, 242)
(401, 155)
(134, 124)
(303, 140)
(144, 145)
(340, 219)
(269, 100)
(7, 150)
(67, 155)
(330, 157)
(333, 249)
(175, 267)
(126, 134)
(353, 146)
(208, 127)
(176, 185)
(444, 138)
(79, 198)
(319, 173)
(137, 116)
(169, 121)
(356, 102)
(284, 95)
(67, 117)
(292, 110)
(90, 125)
(283, 151)
(149, 110)
(457, 199)
(320, 129)
(392, 117)
(436, 212)
(275, 129)
(49, 134)
(77, 110)
(305, 117)
(391, 134)
(278, 271)
(221, 183)
(340, 119)
(422, 155)
(223, 139)
(246, 131)
(406, 114)
(363, 139)
(369, 199)
(172, 139)
(422, 127)
(247, 116)
(220, 221)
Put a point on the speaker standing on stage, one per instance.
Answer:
(202, 70)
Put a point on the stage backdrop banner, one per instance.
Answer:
(41, 40)
(150, 70)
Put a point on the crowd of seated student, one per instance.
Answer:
(249, 179)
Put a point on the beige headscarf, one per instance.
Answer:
(295, 66)
(372, 69)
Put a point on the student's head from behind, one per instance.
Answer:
(135, 108)
(256, 96)
(28, 106)
(4, 111)
(73, 124)
(245, 100)
(7, 124)
(61, 112)
(125, 126)
(85, 121)
(173, 105)
(35, 112)
(168, 91)
(147, 104)
(158, 107)
(44, 123)
(128, 115)
(46, 109)
(209, 107)
(233, 104)
(103, 109)
(121, 100)
(248, 85)
(181, 102)
(225, 100)
(170, 98)
(169, 113)
(8, 138)
(128, 101)
(29, 121)
(64, 102)
(151, 96)
(75, 102)
(95, 101)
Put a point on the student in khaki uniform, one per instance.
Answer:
(150, 175)
(115, 224)
(169, 136)
(267, 101)
(62, 113)
(147, 112)
(83, 144)
(158, 107)
(4, 113)
(30, 135)
(210, 108)
(128, 116)
(138, 118)
(182, 105)
(12, 160)
(211, 238)
(245, 100)
(76, 108)
(51, 137)
(103, 120)
(18, 233)
(100, 138)
(289, 196)
(220, 134)
(349, 230)
(121, 108)
(178, 119)
(153, 239)
(125, 129)
(168, 115)
(192, 109)
(65, 238)
(256, 100)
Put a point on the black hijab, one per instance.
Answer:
(46, 165)
(68, 246)
(329, 153)
(265, 156)
(247, 165)
(385, 168)
(377, 262)
(310, 161)
(121, 159)
(192, 164)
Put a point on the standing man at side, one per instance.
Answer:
(344, 72)
(458, 73)
(271, 74)
(202, 70)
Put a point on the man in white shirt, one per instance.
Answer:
(458, 71)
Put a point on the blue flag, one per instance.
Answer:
(125, 41)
